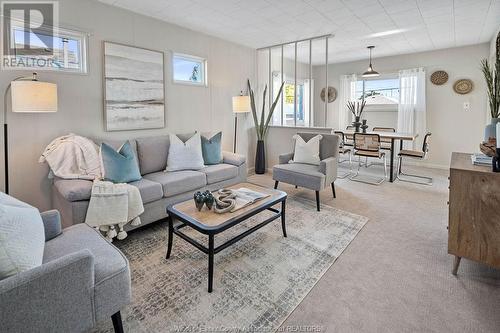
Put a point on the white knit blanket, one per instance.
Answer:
(73, 157)
(112, 206)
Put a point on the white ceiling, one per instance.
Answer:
(419, 25)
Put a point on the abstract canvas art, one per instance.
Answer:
(134, 94)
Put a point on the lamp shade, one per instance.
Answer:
(370, 72)
(34, 96)
(241, 104)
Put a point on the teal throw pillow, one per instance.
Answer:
(120, 166)
(212, 149)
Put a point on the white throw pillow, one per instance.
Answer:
(185, 155)
(306, 152)
(22, 236)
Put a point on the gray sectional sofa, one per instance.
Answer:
(158, 188)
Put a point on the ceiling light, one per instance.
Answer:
(387, 33)
(370, 72)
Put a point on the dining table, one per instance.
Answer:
(393, 137)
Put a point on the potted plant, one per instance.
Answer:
(492, 78)
(356, 109)
(262, 126)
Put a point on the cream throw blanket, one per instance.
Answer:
(114, 205)
(111, 205)
(73, 157)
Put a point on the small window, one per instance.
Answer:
(379, 94)
(189, 69)
(68, 53)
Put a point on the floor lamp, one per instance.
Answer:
(241, 104)
(28, 95)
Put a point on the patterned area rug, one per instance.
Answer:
(258, 281)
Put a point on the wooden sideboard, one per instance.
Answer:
(474, 212)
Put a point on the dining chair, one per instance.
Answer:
(385, 143)
(343, 150)
(368, 145)
(416, 155)
(349, 138)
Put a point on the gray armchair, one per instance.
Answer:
(312, 177)
(83, 280)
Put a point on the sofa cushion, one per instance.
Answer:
(220, 172)
(74, 189)
(150, 191)
(152, 153)
(116, 144)
(22, 236)
(111, 271)
(185, 155)
(303, 175)
(119, 166)
(211, 146)
(177, 182)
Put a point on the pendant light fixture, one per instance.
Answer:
(370, 72)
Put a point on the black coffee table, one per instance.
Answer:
(209, 223)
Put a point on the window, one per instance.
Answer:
(68, 53)
(379, 94)
(189, 69)
(289, 102)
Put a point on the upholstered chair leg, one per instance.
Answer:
(317, 201)
(117, 322)
(333, 191)
(276, 184)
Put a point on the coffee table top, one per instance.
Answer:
(208, 220)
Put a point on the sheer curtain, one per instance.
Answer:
(411, 109)
(347, 92)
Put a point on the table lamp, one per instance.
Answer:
(28, 95)
(241, 104)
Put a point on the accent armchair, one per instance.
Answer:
(313, 177)
(83, 280)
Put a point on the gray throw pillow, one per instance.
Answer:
(22, 236)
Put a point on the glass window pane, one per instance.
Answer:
(289, 87)
(262, 79)
(68, 53)
(277, 79)
(303, 84)
(378, 91)
(187, 69)
(318, 50)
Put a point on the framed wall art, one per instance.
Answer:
(134, 88)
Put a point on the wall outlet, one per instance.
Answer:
(467, 106)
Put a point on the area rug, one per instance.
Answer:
(258, 281)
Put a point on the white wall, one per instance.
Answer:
(80, 96)
(453, 128)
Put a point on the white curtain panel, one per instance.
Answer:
(411, 109)
(347, 93)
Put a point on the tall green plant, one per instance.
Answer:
(492, 78)
(262, 126)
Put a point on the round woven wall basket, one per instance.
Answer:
(463, 86)
(439, 77)
(332, 94)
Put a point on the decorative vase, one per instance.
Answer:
(199, 200)
(364, 127)
(260, 158)
(490, 130)
(356, 124)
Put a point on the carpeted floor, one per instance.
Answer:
(396, 274)
(258, 281)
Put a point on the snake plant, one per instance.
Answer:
(263, 126)
(492, 78)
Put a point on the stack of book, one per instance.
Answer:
(481, 159)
